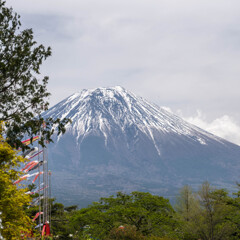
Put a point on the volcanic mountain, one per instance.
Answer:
(120, 142)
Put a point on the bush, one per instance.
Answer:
(126, 232)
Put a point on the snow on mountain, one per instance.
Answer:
(103, 108)
(118, 141)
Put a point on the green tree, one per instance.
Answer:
(188, 207)
(234, 217)
(211, 218)
(60, 216)
(186, 203)
(23, 94)
(148, 214)
(12, 200)
(215, 222)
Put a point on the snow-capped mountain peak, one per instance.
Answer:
(102, 109)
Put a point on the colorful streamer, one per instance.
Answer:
(28, 165)
(37, 215)
(39, 225)
(28, 141)
(31, 166)
(31, 193)
(30, 152)
(21, 179)
(37, 175)
(30, 157)
(34, 166)
(35, 201)
(27, 176)
(46, 229)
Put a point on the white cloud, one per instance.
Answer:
(224, 127)
(167, 109)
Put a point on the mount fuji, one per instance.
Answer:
(120, 142)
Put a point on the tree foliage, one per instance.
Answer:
(187, 203)
(148, 214)
(207, 214)
(213, 216)
(12, 200)
(23, 93)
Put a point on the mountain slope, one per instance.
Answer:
(120, 142)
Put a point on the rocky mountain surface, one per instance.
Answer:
(120, 142)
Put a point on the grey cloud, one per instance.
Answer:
(183, 54)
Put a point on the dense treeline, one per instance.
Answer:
(208, 214)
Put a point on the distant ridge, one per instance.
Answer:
(120, 142)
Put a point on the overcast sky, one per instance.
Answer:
(182, 54)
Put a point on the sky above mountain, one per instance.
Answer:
(180, 54)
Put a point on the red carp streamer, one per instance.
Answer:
(36, 216)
